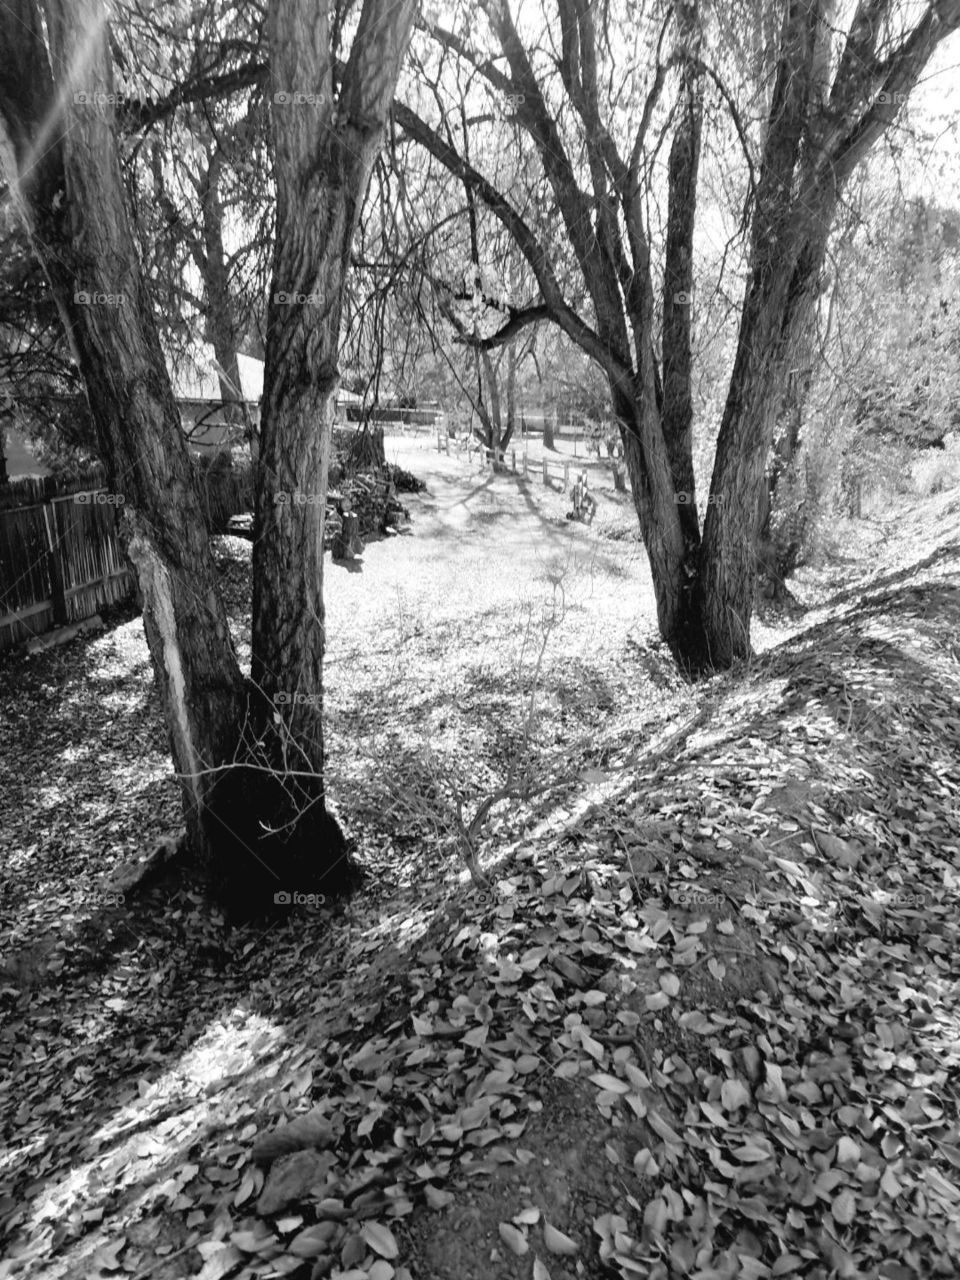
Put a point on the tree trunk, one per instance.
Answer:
(71, 193)
(835, 93)
(779, 544)
(673, 561)
(511, 391)
(222, 327)
(788, 244)
(682, 623)
(494, 423)
(324, 153)
(779, 308)
(549, 425)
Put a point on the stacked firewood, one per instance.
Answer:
(361, 506)
(367, 506)
(373, 496)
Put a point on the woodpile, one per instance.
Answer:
(362, 506)
(366, 506)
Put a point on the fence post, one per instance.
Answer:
(513, 460)
(447, 442)
(54, 565)
(546, 478)
(439, 442)
(524, 463)
(566, 476)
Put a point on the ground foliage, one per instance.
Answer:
(702, 1024)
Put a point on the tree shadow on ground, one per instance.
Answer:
(143, 1035)
(877, 588)
(876, 697)
(123, 1011)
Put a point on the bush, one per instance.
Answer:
(936, 472)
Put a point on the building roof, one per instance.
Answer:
(198, 380)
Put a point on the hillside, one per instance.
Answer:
(697, 1016)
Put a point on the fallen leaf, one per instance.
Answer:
(380, 1239)
(513, 1238)
(557, 1242)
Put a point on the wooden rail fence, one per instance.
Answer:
(551, 470)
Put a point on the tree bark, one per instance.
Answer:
(64, 168)
(324, 153)
(780, 306)
(511, 394)
(494, 422)
(683, 626)
(788, 246)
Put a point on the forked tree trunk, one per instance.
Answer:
(834, 95)
(324, 150)
(65, 172)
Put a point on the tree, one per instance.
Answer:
(62, 164)
(249, 756)
(218, 303)
(325, 145)
(835, 92)
(40, 391)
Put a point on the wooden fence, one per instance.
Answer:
(61, 558)
(426, 418)
(550, 470)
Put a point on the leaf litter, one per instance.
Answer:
(703, 1023)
